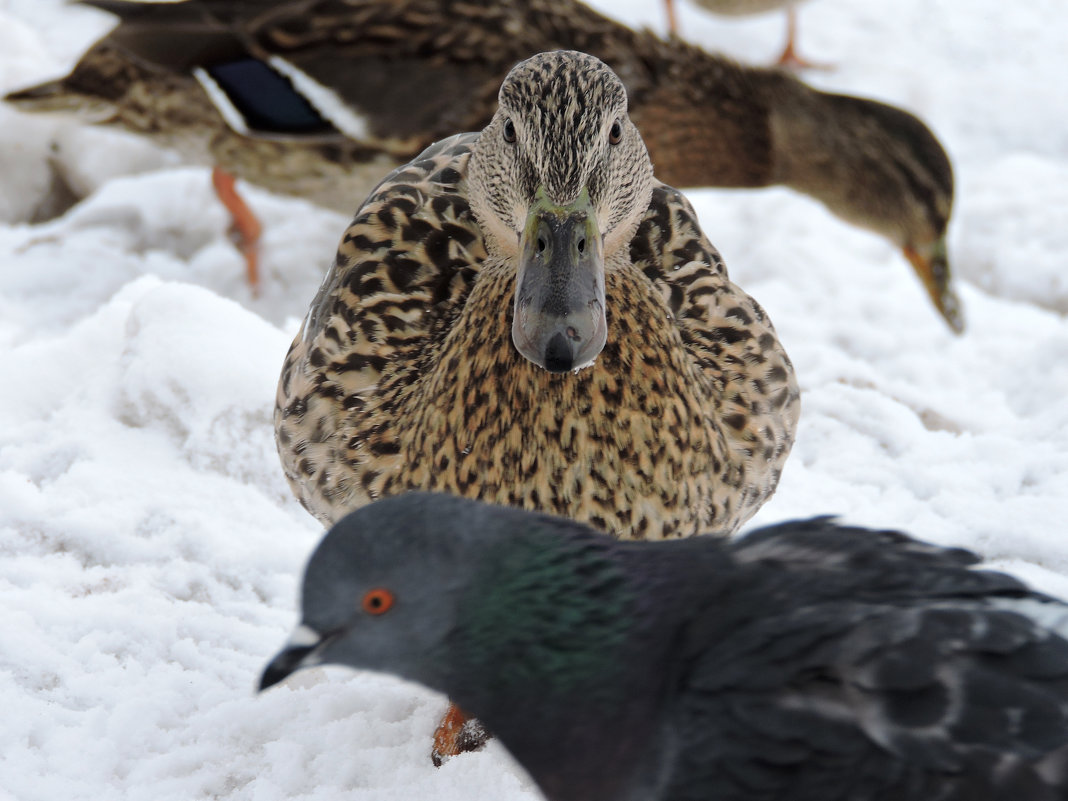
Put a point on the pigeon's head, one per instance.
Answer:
(559, 180)
(445, 591)
(381, 590)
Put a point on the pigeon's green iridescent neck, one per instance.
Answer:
(547, 613)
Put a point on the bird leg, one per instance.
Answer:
(455, 734)
(790, 58)
(245, 225)
(673, 23)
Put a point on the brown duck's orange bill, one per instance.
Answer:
(932, 266)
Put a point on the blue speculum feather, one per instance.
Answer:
(267, 100)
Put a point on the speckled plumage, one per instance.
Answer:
(416, 71)
(404, 377)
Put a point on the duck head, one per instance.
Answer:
(559, 180)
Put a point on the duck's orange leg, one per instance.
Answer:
(246, 226)
(455, 734)
(790, 58)
(673, 24)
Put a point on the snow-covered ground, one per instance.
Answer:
(151, 549)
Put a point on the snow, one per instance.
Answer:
(150, 546)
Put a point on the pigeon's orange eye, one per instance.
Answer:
(377, 601)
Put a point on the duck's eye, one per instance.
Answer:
(509, 131)
(377, 601)
(615, 134)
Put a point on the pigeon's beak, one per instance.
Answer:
(559, 313)
(299, 652)
(932, 266)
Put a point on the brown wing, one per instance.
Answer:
(729, 336)
(403, 269)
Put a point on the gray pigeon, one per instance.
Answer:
(807, 660)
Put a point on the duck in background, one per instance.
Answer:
(320, 99)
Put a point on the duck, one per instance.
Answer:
(322, 99)
(743, 8)
(526, 316)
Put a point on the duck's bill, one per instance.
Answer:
(299, 652)
(932, 266)
(559, 321)
(53, 97)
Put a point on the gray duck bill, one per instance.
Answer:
(559, 314)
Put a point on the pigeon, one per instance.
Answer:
(808, 660)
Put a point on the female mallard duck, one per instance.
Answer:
(321, 98)
(526, 316)
(743, 8)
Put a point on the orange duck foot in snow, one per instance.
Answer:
(456, 734)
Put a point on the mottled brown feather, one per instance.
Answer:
(404, 377)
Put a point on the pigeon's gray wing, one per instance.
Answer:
(883, 669)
